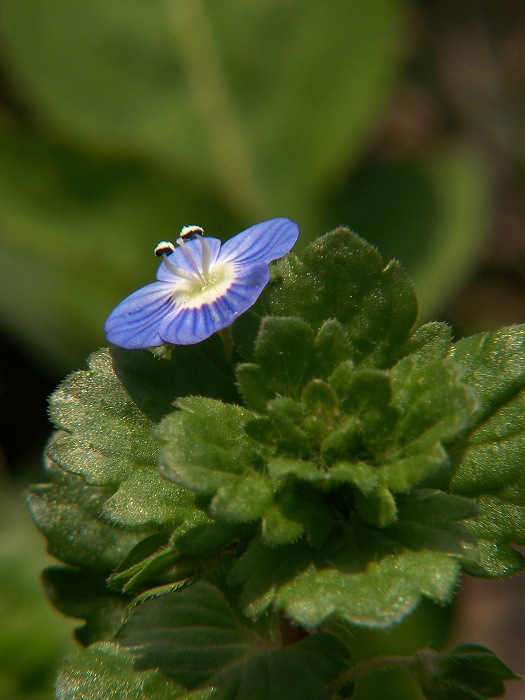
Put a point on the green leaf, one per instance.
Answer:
(358, 577)
(341, 276)
(434, 401)
(333, 346)
(201, 535)
(194, 637)
(488, 462)
(153, 564)
(430, 342)
(467, 672)
(205, 444)
(106, 670)
(199, 95)
(254, 387)
(378, 508)
(207, 450)
(434, 521)
(108, 414)
(67, 511)
(403, 474)
(82, 593)
(297, 510)
(284, 350)
(380, 596)
(244, 500)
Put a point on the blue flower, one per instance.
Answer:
(201, 286)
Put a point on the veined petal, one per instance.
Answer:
(261, 243)
(179, 259)
(198, 294)
(134, 323)
(185, 325)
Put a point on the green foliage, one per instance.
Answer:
(234, 523)
(488, 461)
(342, 277)
(467, 672)
(106, 670)
(194, 637)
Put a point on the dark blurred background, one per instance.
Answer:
(122, 121)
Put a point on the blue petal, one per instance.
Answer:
(134, 323)
(261, 243)
(179, 258)
(186, 325)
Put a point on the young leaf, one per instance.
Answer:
(488, 462)
(205, 444)
(284, 350)
(343, 277)
(194, 637)
(467, 672)
(359, 577)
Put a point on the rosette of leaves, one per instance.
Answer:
(222, 519)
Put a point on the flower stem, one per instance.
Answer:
(362, 668)
(227, 339)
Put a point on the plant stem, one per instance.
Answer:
(227, 339)
(362, 668)
(290, 632)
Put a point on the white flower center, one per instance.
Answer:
(205, 284)
(196, 292)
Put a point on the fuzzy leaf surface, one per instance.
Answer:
(106, 670)
(108, 414)
(488, 462)
(194, 637)
(343, 277)
(67, 511)
(366, 576)
(467, 672)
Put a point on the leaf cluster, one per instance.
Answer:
(222, 520)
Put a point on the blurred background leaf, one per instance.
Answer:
(138, 119)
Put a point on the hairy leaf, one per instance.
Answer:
(343, 277)
(367, 577)
(106, 670)
(67, 511)
(488, 462)
(107, 416)
(194, 637)
(84, 594)
(467, 672)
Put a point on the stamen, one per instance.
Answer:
(177, 270)
(164, 248)
(187, 232)
(191, 261)
(206, 257)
